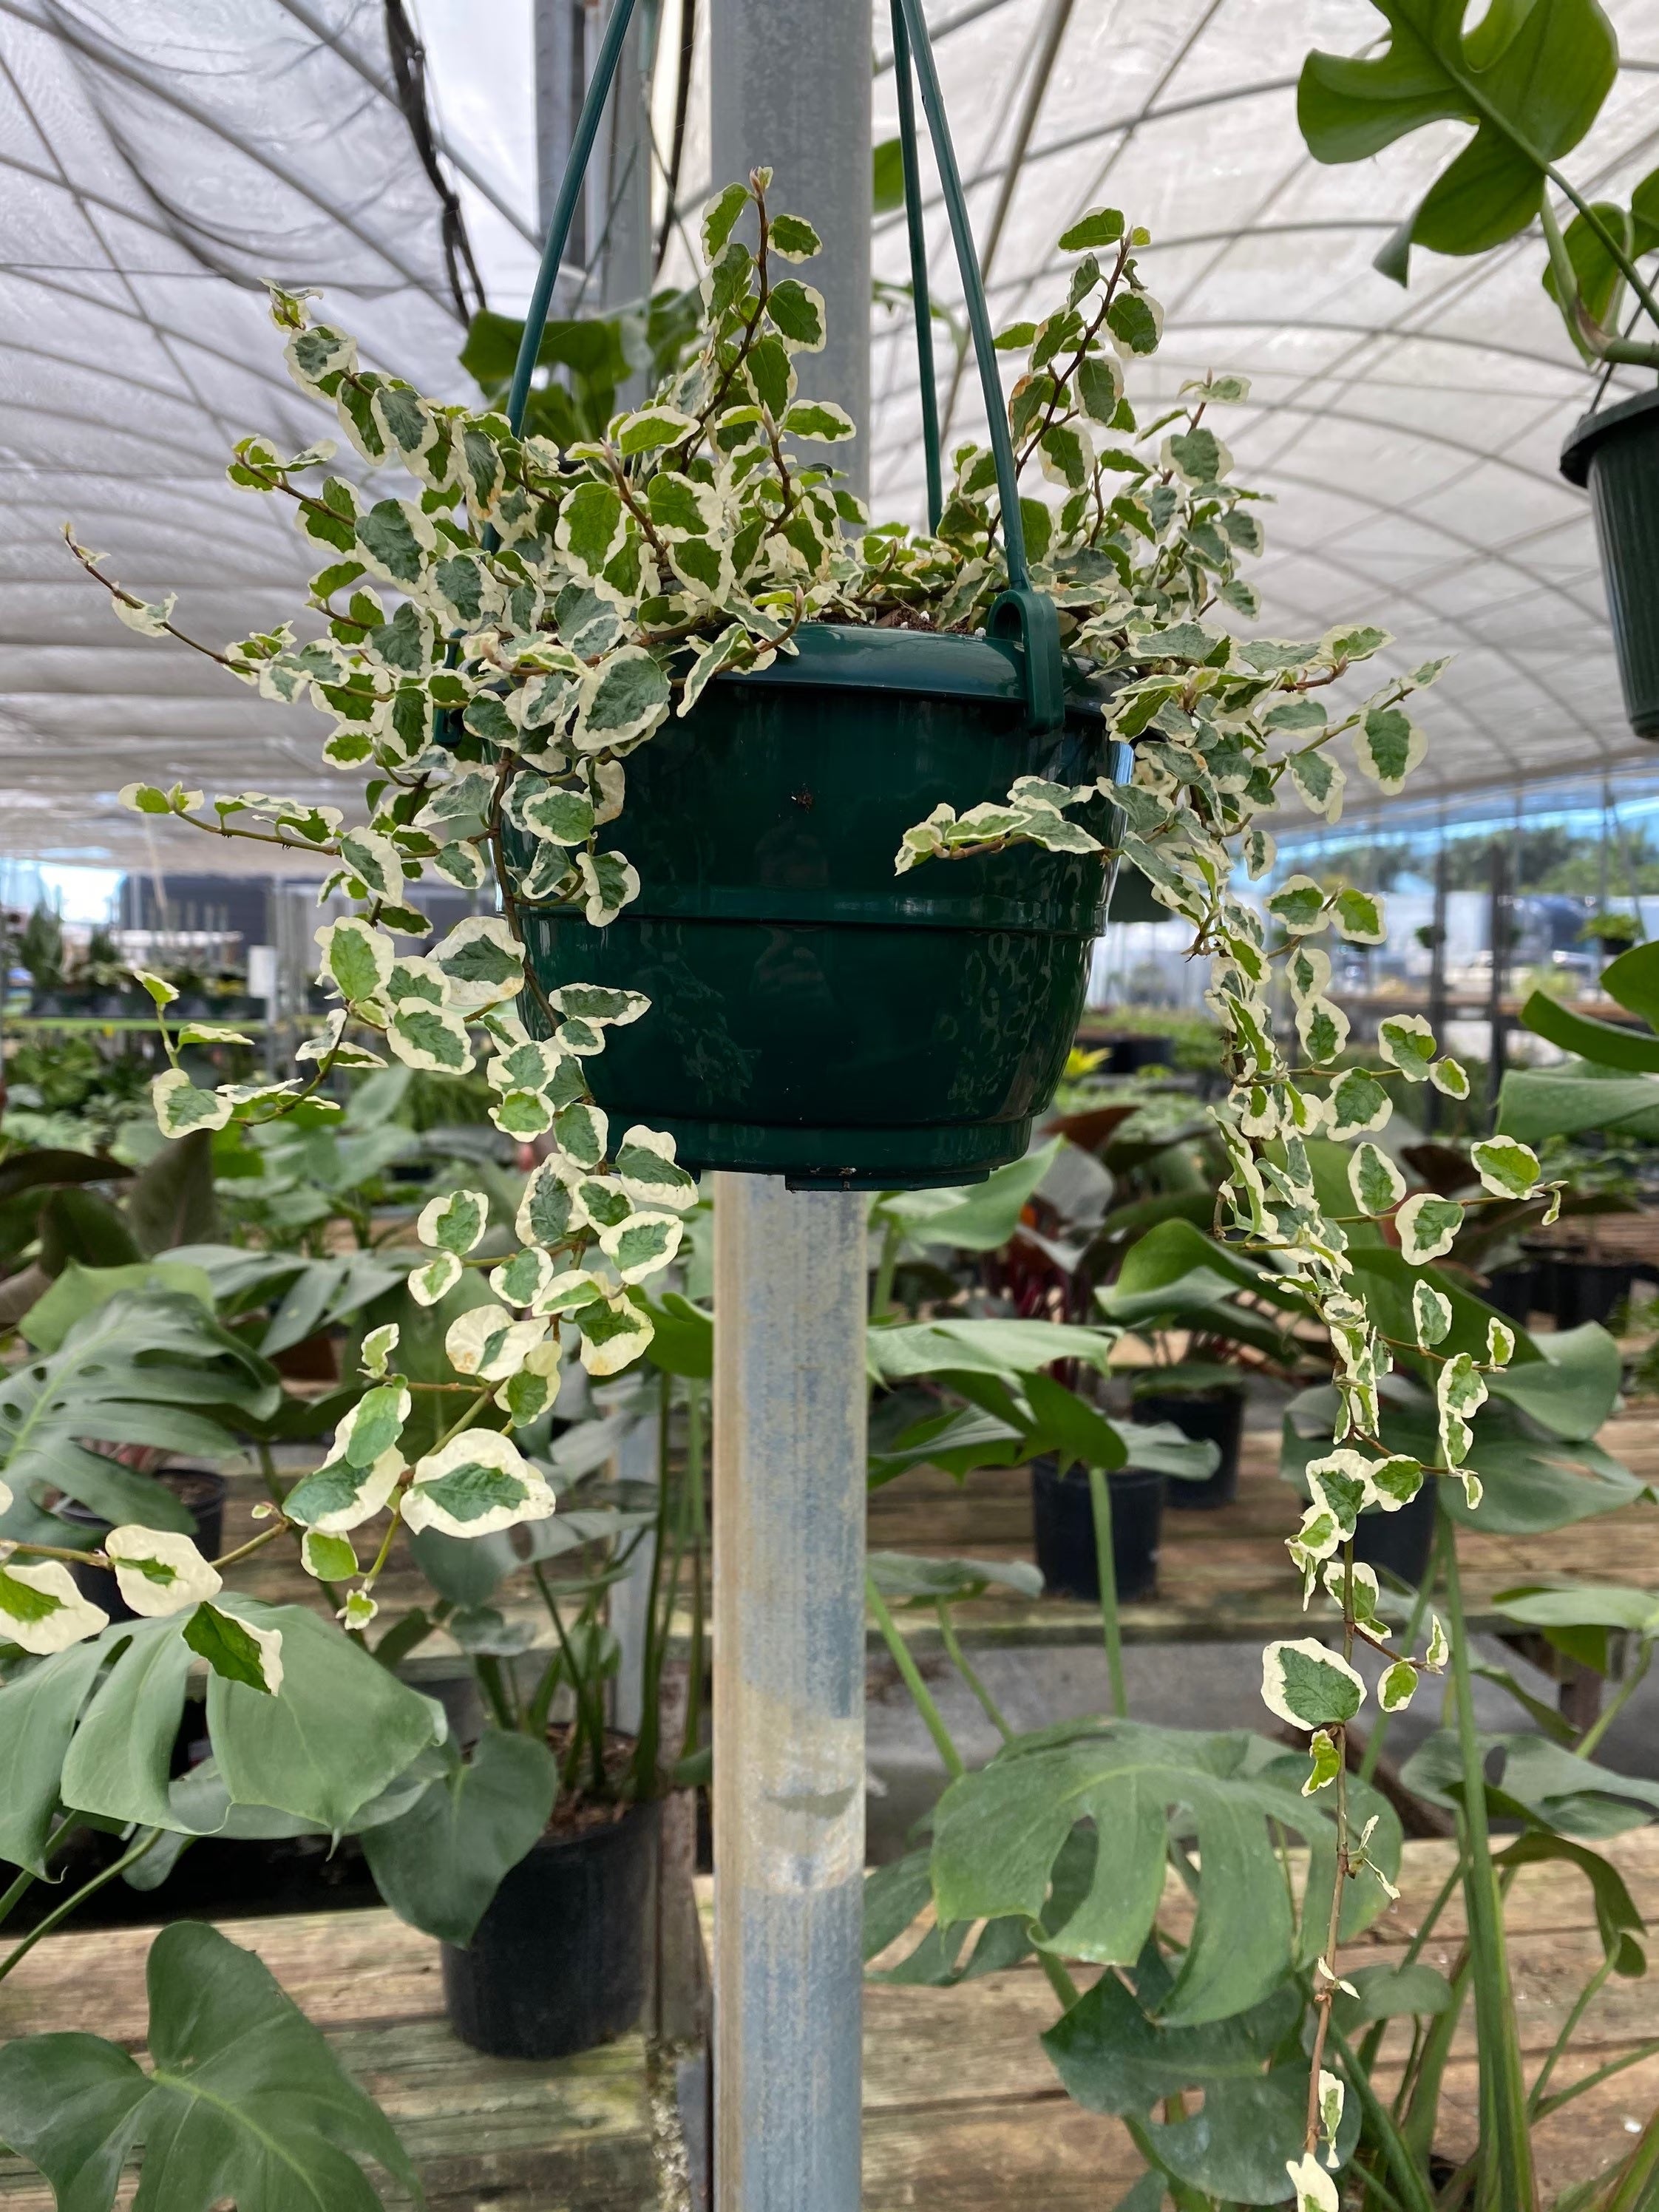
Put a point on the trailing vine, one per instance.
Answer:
(490, 651)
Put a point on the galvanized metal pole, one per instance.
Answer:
(789, 1516)
(790, 89)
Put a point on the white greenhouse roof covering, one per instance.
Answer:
(158, 158)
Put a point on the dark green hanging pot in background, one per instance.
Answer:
(1614, 454)
(814, 1015)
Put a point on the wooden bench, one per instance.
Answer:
(962, 2111)
(1224, 1575)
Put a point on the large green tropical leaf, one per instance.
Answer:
(1535, 1782)
(1633, 980)
(93, 1729)
(998, 1833)
(1535, 1104)
(1609, 1044)
(976, 1219)
(1116, 2054)
(304, 1296)
(440, 1862)
(245, 2102)
(1531, 77)
(1533, 1482)
(145, 1368)
(1567, 1380)
(979, 1347)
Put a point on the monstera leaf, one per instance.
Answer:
(1537, 1782)
(1115, 2055)
(1530, 79)
(998, 1834)
(93, 1729)
(245, 2102)
(439, 1864)
(305, 1295)
(151, 1368)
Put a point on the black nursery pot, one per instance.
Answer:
(1402, 1541)
(1588, 1290)
(558, 1962)
(1211, 1416)
(1512, 1291)
(1614, 455)
(1130, 1054)
(1063, 1525)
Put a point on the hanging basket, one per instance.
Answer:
(812, 1014)
(815, 1015)
(1614, 454)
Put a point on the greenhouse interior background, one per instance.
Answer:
(1117, 1676)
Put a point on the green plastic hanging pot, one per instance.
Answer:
(1614, 454)
(813, 1015)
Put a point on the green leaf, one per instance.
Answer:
(980, 1219)
(796, 312)
(1536, 1104)
(1310, 1686)
(1633, 980)
(341, 1729)
(1114, 2059)
(146, 1367)
(998, 1833)
(1531, 79)
(439, 1865)
(1238, 2146)
(1386, 1992)
(1600, 280)
(1100, 227)
(118, 1763)
(1537, 1781)
(888, 176)
(1609, 1044)
(684, 1341)
(245, 2100)
(902, 1575)
(235, 1649)
(37, 1713)
(981, 1347)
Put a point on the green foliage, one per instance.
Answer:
(996, 1834)
(1532, 81)
(244, 2100)
(439, 1864)
(40, 948)
(143, 1367)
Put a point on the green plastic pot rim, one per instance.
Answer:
(1592, 431)
(940, 664)
(926, 1157)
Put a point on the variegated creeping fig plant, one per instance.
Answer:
(490, 651)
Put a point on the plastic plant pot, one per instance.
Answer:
(558, 1962)
(1614, 455)
(1587, 1290)
(1211, 1417)
(1131, 1054)
(1063, 1528)
(813, 1015)
(1402, 1541)
(1513, 1291)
